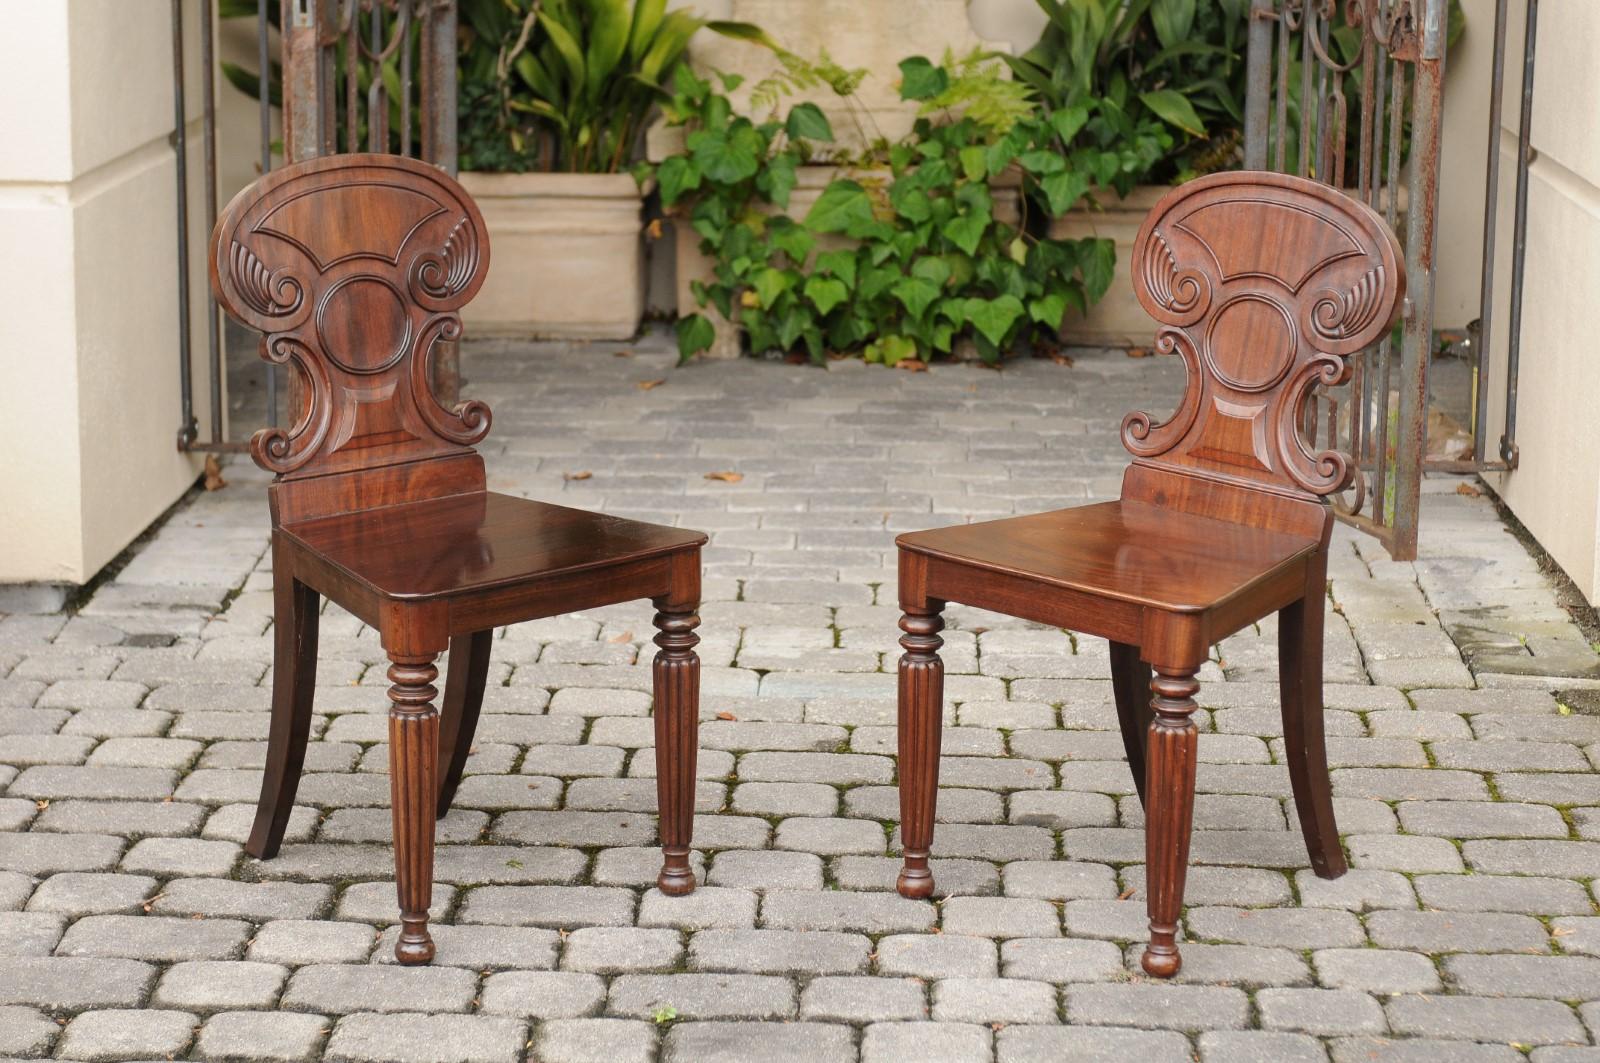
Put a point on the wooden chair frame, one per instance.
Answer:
(353, 267)
(1264, 285)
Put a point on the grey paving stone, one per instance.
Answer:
(1236, 965)
(636, 866)
(557, 907)
(617, 950)
(1376, 971)
(791, 952)
(869, 913)
(1159, 1006)
(1245, 887)
(863, 1000)
(763, 870)
(75, 984)
(1482, 819)
(836, 768)
(1566, 859)
(1254, 1046)
(256, 901)
(1322, 1012)
(29, 933)
(742, 1042)
(1061, 809)
(1528, 894)
(596, 1041)
(785, 798)
(261, 1037)
(543, 995)
(1403, 852)
(1556, 977)
(1287, 927)
(122, 1035)
(348, 989)
(413, 1038)
(1440, 932)
(26, 1032)
(702, 996)
(930, 956)
(298, 942)
(1058, 880)
(950, 877)
(943, 1042)
(481, 947)
(1528, 1022)
(374, 902)
(1089, 1044)
(48, 854)
(1357, 890)
(209, 985)
(956, 804)
(1001, 917)
(131, 819)
(984, 842)
(830, 837)
(164, 939)
(708, 907)
(14, 890)
(994, 1000)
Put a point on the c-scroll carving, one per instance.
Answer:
(1181, 296)
(469, 422)
(1146, 438)
(1321, 472)
(276, 449)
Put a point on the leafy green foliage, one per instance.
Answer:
(897, 261)
(569, 85)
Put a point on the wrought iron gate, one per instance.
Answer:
(373, 75)
(1319, 73)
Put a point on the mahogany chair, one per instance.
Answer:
(1264, 285)
(354, 267)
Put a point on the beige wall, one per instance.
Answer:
(90, 413)
(1556, 488)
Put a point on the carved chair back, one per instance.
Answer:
(354, 267)
(1264, 285)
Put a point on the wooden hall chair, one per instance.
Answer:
(1264, 285)
(354, 267)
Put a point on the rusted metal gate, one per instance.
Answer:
(356, 75)
(1351, 94)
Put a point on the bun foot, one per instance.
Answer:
(675, 881)
(1161, 961)
(915, 883)
(415, 945)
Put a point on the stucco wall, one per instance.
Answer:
(90, 413)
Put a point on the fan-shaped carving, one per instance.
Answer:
(1339, 315)
(356, 264)
(1181, 294)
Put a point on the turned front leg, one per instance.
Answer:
(676, 672)
(921, 712)
(1171, 754)
(413, 782)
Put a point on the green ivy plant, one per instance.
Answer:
(894, 264)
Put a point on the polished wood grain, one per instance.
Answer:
(1263, 285)
(355, 268)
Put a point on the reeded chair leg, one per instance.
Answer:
(294, 678)
(1173, 750)
(1305, 748)
(921, 716)
(1130, 685)
(676, 673)
(463, 698)
(414, 793)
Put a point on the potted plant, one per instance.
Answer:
(554, 97)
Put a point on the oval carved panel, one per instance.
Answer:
(1251, 343)
(363, 324)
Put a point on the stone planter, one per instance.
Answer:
(810, 182)
(566, 260)
(1116, 320)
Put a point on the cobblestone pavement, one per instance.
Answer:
(1464, 747)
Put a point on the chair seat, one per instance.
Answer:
(470, 542)
(1129, 551)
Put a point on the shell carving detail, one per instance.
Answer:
(267, 293)
(448, 273)
(1339, 315)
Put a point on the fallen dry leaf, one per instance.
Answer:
(1468, 490)
(653, 230)
(584, 475)
(1062, 359)
(622, 354)
(726, 716)
(1125, 894)
(626, 636)
(214, 480)
(1138, 352)
(726, 477)
(912, 365)
(646, 385)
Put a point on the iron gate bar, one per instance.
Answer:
(1519, 236)
(188, 428)
(1491, 183)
